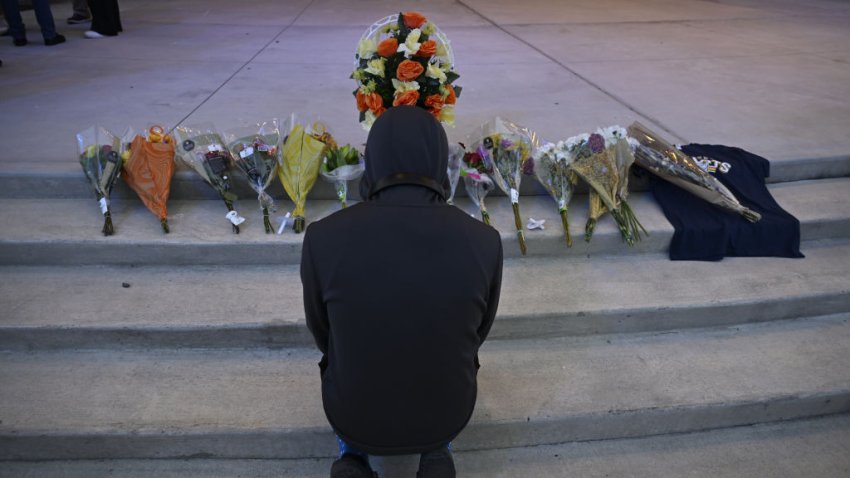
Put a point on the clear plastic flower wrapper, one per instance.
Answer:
(303, 151)
(255, 150)
(596, 162)
(149, 168)
(456, 153)
(664, 160)
(98, 151)
(505, 147)
(477, 181)
(202, 149)
(552, 163)
(340, 165)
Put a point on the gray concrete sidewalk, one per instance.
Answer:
(770, 76)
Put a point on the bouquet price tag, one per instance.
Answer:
(215, 147)
(246, 152)
(104, 205)
(514, 196)
(234, 218)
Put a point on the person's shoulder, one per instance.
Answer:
(474, 226)
(335, 221)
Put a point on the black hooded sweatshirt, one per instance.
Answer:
(400, 291)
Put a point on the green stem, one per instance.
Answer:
(164, 224)
(266, 222)
(300, 223)
(566, 223)
(519, 234)
(108, 229)
(229, 205)
(485, 216)
(588, 229)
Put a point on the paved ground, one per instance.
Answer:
(770, 76)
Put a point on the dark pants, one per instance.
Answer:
(42, 14)
(105, 18)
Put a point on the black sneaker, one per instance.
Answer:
(55, 40)
(436, 464)
(77, 19)
(351, 466)
(19, 41)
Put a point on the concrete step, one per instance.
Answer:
(266, 404)
(67, 232)
(66, 181)
(814, 447)
(261, 306)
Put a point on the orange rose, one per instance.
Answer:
(413, 19)
(428, 48)
(374, 102)
(361, 101)
(407, 98)
(409, 70)
(388, 47)
(452, 98)
(434, 104)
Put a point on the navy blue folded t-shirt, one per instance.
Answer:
(707, 232)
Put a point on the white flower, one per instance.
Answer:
(434, 71)
(404, 86)
(576, 141)
(612, 134)
(376, 67)
(411, 46)
(366, 48)
(368, 120)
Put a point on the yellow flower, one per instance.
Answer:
(376, 67)
(369, 87)
(411, 45)
(404, 86)
(435, 72)
(357, 74)
(442, 50)
(428, 28)
(447, 114)
(366, 48)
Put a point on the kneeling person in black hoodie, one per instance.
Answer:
(400, 292)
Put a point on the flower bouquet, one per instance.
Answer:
(552, 163)
(404, 59)
(340, 165)
(303, 151)
(255, 150)
(505, 148)
(202, 149)
(597, 165)
(662, 159)
(148, 169)
(98, 152)
(477, 181)
(456, 153)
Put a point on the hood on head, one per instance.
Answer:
(405, 144)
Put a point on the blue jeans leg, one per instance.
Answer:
(45, 18)
(13, 18)
(345, 448)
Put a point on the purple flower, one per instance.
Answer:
(597, 143)
(506, 143)
(528, 167)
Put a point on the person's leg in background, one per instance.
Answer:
(81, 12)
(45, 21)
(106, 20)
(17, 31)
